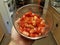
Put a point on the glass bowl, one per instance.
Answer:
(35, 9)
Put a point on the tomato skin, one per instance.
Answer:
(36, 15)
(20, 29)
(33, 35)
(26, 19)
(22, 24)
(21, 19)
(28, 14)
(42, 25)
(32, 31)
(38, 31)
(43, 31)
(29, 22)
(37, 22)
(25, 33)
(27, 29)
(40, 34)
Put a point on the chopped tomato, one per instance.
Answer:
(43, 30)
(28, 14)
(34, 35)
(31, 24)
(39, 34)
(28, 29)
(38, 22)
(25, 33)
(38, 31)
(20, 29)
(22, 24)
(42, 25)
(32, 31)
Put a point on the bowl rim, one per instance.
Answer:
(32, 38)
(28, 5)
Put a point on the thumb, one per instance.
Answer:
(14, 34)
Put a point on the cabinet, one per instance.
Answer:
(56, 23)
(56, 29)
(6, 10)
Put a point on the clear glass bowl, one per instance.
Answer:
(35, 9)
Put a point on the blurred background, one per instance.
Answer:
(51, 8)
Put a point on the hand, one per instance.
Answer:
(17, 39)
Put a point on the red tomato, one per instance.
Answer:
(32, 31)
(21, 29)
(25, 33)
(28, 14)
(28, 29)
(42, 25)
(38, 15)
(22, 19)
(35, 30)
(34, 35)
(40, 34)
(29, 22)
(32, 25)
(43, 31)
(33, 14)
(22, 24)
(38, 31)
(26, 18)
(37, 22)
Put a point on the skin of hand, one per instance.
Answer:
(17, 39)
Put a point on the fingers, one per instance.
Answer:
(14, 34)
(18, 20)
(16, 23)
